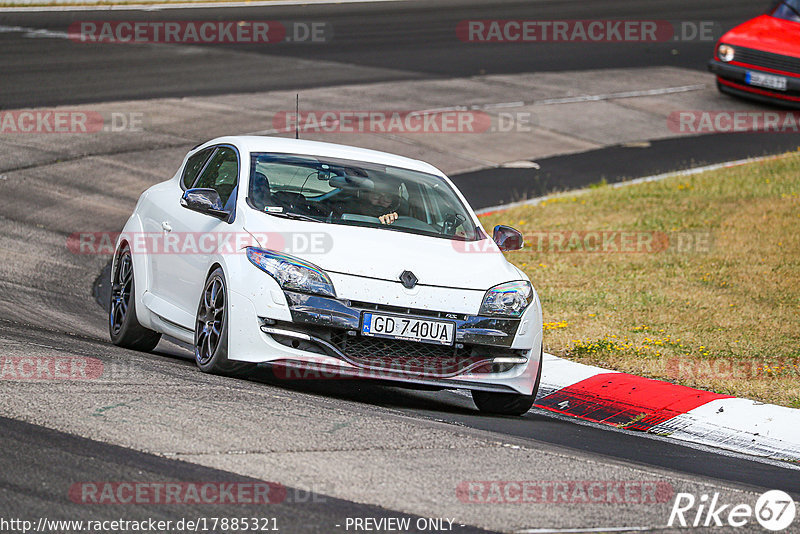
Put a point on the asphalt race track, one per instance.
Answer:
(30, 482)
(371, 42)
(341, 449)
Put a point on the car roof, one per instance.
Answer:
(285, 145)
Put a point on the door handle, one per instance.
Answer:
(166, 226)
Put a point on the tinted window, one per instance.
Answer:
(221, 173)
(355, 193)
(194, 165)
(788, 10)
(293, 178)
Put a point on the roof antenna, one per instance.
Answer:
(297, 116)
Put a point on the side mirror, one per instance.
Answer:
(205, 201)
(507, 238)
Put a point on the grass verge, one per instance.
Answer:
(694, 280)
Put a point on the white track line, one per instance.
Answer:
(159, 5)
(624, 94)
(576, 99)
(34, 32)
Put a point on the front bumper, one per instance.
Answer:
(331, 327)
(732, 80)
(321, 339)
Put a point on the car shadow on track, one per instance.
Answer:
(366, 391)
(434, 402)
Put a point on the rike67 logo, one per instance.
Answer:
(774, 510)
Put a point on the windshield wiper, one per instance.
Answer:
(293, 216)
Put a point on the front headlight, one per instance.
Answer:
(726, 53)
(508, 300)
(292, 273)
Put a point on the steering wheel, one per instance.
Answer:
(297, 202)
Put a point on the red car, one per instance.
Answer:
(760, 59)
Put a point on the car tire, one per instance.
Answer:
(211, 329)
(507, 403)
(123, 325)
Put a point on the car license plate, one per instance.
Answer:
(766, 80)
(408, 328)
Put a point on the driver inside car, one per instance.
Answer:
(374, 199)
(382, 203)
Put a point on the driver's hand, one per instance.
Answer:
(389, 218)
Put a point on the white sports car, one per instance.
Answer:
(349, 262)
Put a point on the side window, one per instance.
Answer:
(194, 165)
(221, 173)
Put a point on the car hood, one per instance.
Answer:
(385, 254)
(766, 33)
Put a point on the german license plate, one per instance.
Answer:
(766, 80)
(408, 328)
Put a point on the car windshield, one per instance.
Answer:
(788, 10)
(358, 194)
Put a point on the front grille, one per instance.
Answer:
(394, 356)
(409, 357)
(767, 59)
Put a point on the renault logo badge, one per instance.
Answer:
(409, 280)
